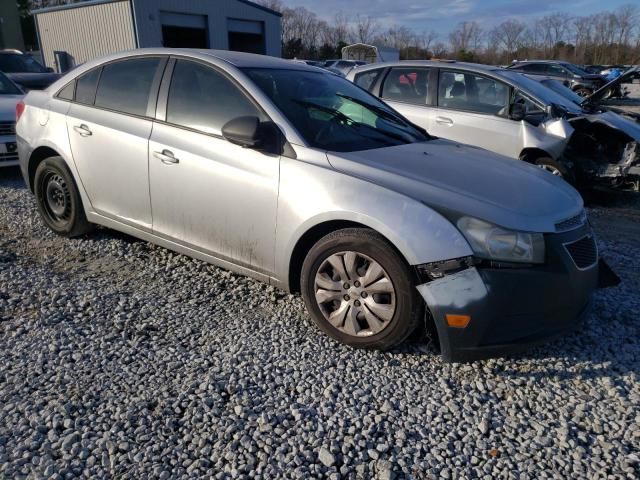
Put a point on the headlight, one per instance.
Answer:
(496, 243)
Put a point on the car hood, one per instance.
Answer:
(599, 95)
(8, 107)
(34, 81)
(460, 179)
(615, 121)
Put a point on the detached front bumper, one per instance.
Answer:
(511, 309)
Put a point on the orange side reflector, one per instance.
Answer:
(458, 321)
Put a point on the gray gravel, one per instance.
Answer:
(119, 358)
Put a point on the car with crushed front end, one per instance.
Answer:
(10, 95)
(509, 113)
(299, 178)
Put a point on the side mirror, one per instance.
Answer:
(49, 70)
(517, 111)
(243, 131)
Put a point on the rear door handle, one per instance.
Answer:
(83, 130)
(166, 156)
(444, 121)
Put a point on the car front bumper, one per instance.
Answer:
(511, 309)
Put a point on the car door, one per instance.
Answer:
(405, 89)
(473, 109)
(207, 193)
(109, 125)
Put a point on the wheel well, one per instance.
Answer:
(307, 241)
(530, 155)
(38, 155)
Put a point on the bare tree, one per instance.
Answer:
(365, 29)
(507, 35)
(466, 36)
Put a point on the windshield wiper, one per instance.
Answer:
(352, 123)
(374, 108)
(331, 111)
(387, 115)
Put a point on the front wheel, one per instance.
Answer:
(58, 199)
(556, 168)
(583, 92)
(359, 290)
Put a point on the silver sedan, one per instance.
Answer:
(301, 179)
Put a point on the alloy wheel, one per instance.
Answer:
(551, 169)
(355, 294)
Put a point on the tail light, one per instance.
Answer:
(20, 106)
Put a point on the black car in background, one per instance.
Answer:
(572, 76)
(25, 71)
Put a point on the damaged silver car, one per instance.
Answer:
(296, 177)
(506, 112)
(606, 144)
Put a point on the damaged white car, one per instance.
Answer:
(511, 114)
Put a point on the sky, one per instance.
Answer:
(442, 15)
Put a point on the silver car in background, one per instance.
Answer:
(298, 178)
(10, 95)
(506, 112)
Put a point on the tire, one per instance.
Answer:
(556, 168)
(583, 92)
(372, 317)
(58, 199)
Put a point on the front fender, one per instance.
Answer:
(311, 194)
(551, 136)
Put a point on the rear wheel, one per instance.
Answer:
(58, 199)
(359, 290)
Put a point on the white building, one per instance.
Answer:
(90, 29)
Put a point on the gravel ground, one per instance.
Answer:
(122, 359)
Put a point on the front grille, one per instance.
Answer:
(583, 252)
(8, 157)
(572, 223)
(7, 128)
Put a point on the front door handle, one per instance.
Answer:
(166, 157)
(83, 130)
(444, 121)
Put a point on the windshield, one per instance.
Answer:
(538, 90)
(7, 87)
(17, 63)
(332, 113)
(574, 69)
(559, 88)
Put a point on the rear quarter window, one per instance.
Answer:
(86, 87)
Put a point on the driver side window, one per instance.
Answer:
(473, 93)
(202, 99)
(531, 108)
(557, 71)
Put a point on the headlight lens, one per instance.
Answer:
(496, 243)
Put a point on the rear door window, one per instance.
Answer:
(203, 99)
(125, 86)
(473, 93)
(407, 85)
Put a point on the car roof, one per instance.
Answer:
(237, 59)
(539, 61)
(473, 67)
